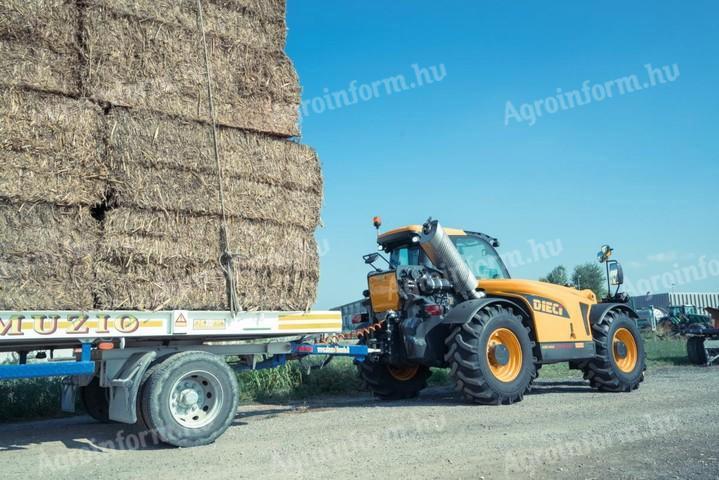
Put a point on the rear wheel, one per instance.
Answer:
(190, 399)
(620, 360)
(696, 350)
(491, 357)
(96, 401)
(393, 383)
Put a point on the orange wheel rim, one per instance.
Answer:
(624, 350)
(504, 355)
(403, 374)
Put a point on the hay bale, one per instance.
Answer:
(153, 140)
(175, 190)
(37, 45)
(154, 66)
(259, 27)
(68, 232)
(45, 282)
(50, 149)
(136, 236)
(47, 257)
(163, 287)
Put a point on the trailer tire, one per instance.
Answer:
(620, 359)
(95, 401)
(190, 399)
(697, 352)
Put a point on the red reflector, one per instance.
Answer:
(434, 310)
(357, 319)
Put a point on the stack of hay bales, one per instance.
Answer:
(51, 170)
(137, 147)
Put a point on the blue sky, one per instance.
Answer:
(637, 170)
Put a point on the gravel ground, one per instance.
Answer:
(668, 429)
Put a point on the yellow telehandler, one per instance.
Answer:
(443, 298)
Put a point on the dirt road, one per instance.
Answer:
(668, 429)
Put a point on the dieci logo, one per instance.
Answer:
(72, 325)
(547, 306)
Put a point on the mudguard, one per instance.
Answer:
(599, 311)
(464, 312)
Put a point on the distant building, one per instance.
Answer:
(665, 300)
(348, 311)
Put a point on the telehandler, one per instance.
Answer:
(444, 298)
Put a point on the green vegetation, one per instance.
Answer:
(558, 276)
(40, 398)
(588, 276)
(25, 399)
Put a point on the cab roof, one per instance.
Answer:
(403, 235)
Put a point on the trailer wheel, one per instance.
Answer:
(95, 400)
(620, 359)
(190, 399)
(697, 352)
(491, 357)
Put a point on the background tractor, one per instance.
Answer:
(444, 298)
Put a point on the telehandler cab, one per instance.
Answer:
(444, 298)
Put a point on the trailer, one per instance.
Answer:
(165, 371)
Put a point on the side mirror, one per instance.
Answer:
(616, 273)
(371, 258)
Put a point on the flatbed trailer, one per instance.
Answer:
(165, 370)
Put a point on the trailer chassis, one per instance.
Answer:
(174, 378)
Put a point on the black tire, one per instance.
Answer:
(95, 400)
(603, 371)
(217, 405)
(469, 360)
(380, 381)
(697, 352)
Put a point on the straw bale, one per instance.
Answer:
(50, 149)
(168, 287)
(46, 257)
(174, 190)
(152, 140)
(44, 282)
(154, 66)
(161, 238)
(69, 232)
(259, 27)
(38, 45)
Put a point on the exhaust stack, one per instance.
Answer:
(444, 255)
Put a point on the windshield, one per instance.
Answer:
(481, 257)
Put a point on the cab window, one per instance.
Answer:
(481, 257)
(403, 256)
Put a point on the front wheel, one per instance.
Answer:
(620, 359)
(491, 357)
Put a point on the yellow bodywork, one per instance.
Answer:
(384, 292)
(561, 314)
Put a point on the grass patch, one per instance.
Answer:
(27, 399)
(665, 352)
